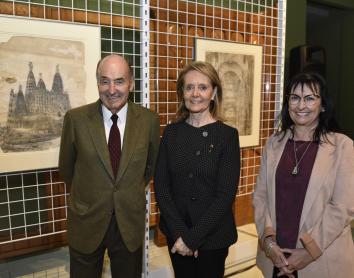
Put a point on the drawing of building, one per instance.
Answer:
(36, 115)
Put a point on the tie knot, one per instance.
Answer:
(114, 118)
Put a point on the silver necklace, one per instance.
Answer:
(300, 145)
(297, 161)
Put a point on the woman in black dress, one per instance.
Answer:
(197, 176)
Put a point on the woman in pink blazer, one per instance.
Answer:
(304, 196)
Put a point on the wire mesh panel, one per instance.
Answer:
(33, 204)
(174, 27)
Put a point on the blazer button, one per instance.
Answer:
(193, 198)
(197, 153)
(190, 175)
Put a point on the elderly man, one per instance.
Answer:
(107, 154)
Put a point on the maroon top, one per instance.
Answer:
(290, 190)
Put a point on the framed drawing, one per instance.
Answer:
(46, 68)
(239, 67)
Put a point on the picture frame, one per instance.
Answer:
(46, 68)
(239, 67)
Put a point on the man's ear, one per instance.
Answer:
(131, 86)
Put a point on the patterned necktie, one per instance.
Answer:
(114, 145)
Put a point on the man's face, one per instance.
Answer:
(114, 82)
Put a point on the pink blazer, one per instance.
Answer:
(327, 212)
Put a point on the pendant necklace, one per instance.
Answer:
(297, 161)
(300, 145)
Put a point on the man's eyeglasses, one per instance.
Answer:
(309, 99)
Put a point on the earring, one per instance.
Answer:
(323, 110)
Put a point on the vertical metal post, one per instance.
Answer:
(145, 30)
(280, 57)
(145, 85)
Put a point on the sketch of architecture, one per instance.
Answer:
(46, 68)
(236, 72)
(35, 114)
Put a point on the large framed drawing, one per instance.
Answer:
(239, 67)
(46, 68)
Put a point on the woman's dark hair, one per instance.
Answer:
(327, 123)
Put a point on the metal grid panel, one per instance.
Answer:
(33, 204)
(172, 27)
(119, 21)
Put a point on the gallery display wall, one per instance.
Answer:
(248, 54)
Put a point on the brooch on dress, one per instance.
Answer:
(211, 147)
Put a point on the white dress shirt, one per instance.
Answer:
(122, 119)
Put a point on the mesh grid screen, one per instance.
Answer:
(33, 203)
(174, 26)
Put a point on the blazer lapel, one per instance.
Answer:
(323, 163)
(131, 134)
(274, 156)
(98, 135)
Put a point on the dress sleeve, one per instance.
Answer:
(226, 188)
(165, 200)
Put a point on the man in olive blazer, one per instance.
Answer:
(104, 211)
(328, 208)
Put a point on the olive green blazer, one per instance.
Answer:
(84, 165)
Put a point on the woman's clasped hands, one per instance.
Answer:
(181, 248)
(276, 254)
(297, 259)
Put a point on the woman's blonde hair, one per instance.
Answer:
(209, 71)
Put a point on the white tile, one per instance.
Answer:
(159, 262)
(40, 274)
(251, 272)
(242, 254)
(55, 264)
